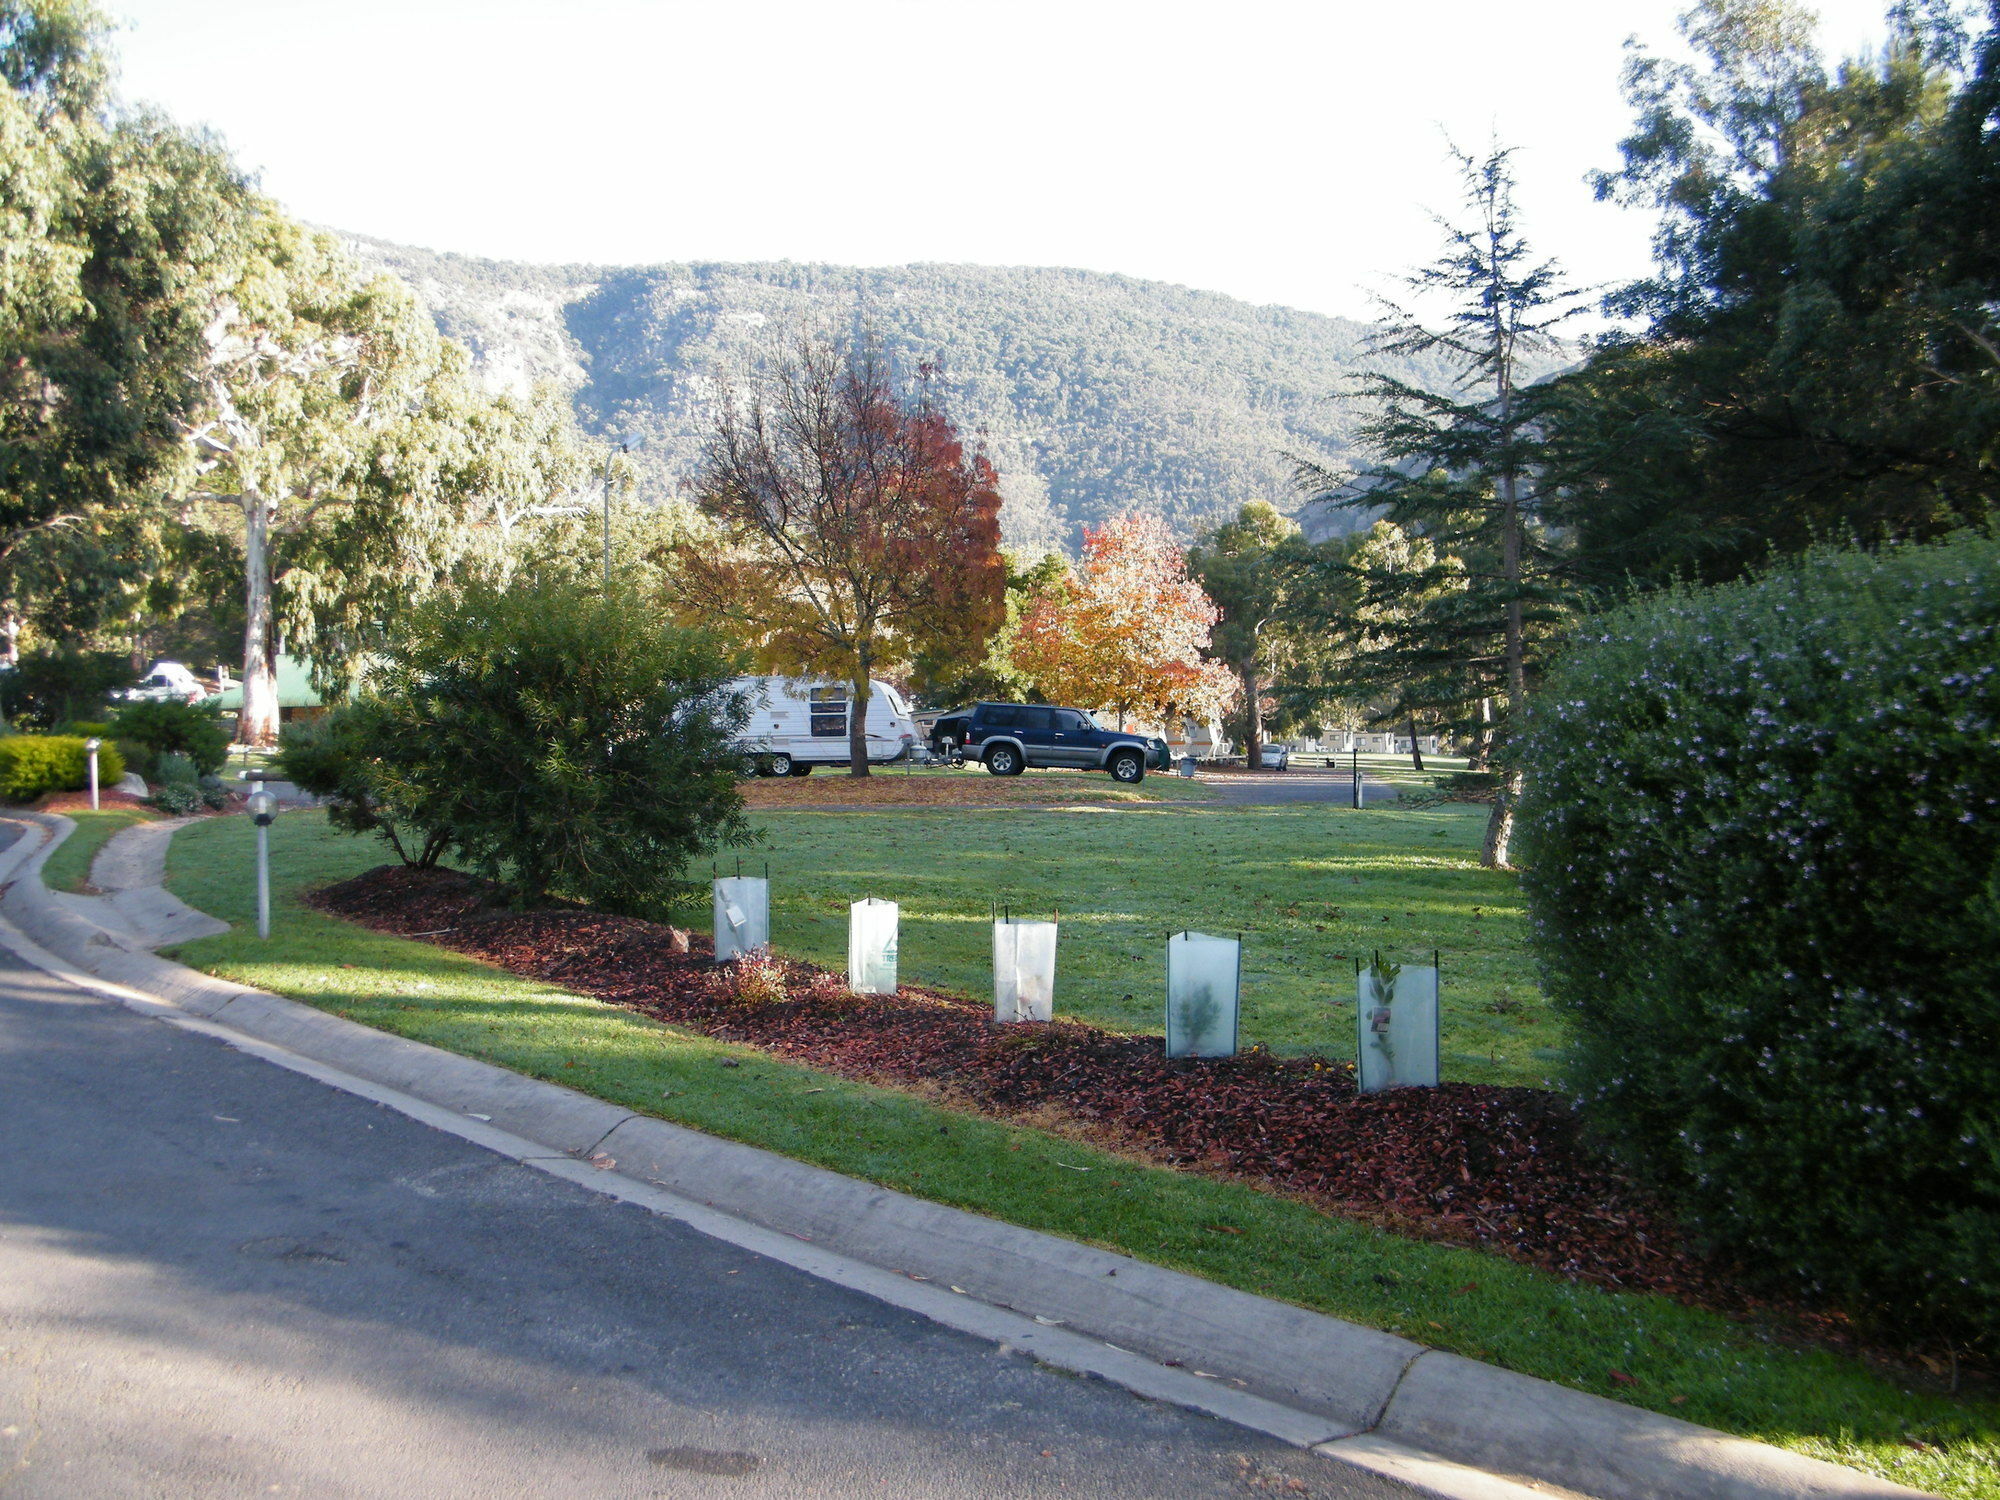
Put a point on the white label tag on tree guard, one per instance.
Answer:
(1203, 974)
(1024, 971)
(1397, 1007)
(742, 916)
(871, 947)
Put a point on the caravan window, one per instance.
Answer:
(829, 712)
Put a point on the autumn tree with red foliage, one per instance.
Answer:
(1127, 629)
(856, 532)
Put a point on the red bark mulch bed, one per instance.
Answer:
(69, 802)
(1500, 1168)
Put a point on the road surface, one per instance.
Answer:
(220, 1278)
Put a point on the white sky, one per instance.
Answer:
(1280, 152)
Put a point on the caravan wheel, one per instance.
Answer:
(780, 765)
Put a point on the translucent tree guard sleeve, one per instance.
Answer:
(1202, 995)
(871, 947)
(1396, 1010)
(742, 916)
(1024, 971)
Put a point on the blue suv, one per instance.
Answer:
(1009, 737)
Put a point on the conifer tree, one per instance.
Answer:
(1462, 468)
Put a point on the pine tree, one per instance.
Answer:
(1462, 468)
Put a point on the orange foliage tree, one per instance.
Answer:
(855, 531)
(1127, 629)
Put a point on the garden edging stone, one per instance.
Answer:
(1423, 1417)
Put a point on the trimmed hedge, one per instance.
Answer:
(31, 764)
(1762, 826)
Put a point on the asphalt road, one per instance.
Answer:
(220, 1278)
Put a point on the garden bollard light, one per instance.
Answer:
(91, 746)
(263, 811)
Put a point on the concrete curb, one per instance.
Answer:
(1435, 1422)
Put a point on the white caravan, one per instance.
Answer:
(796, 724)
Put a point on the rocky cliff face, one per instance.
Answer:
(1092, 393)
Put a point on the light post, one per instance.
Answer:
(263, 812)
(91, 747)
(619, 445)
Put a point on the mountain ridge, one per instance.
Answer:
(1093, 392)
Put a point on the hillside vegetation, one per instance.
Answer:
(1093, 393)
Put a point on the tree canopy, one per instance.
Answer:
(1817, 355)
(857, 534)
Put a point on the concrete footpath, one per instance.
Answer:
(1383, 1406)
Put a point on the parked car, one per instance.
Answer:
(1275, 758)
(1007, 738)
(797, 724)
(167, 682)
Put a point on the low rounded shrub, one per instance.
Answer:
(560, 741)
(1762, 829)
(191, 729)
(31, 764)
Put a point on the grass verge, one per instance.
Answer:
(68, 869)
(1645, 1351)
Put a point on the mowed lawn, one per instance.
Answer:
(1311, 889)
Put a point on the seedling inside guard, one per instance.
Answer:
(1396, 1008)
(742, 916)
(1024, 969)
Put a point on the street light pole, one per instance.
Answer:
(263, 810)
(91, 745)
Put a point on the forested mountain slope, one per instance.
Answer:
(1093, 393)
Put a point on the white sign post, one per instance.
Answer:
(871, 947)
(1204, 985)
(1396, 1007)
(742, 916)
(1024, 970)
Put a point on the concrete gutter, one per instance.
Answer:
(1437, 1423)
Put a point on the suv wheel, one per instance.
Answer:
(1128, 766)
(1004, 760)
(780, 765)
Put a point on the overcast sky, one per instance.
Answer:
(1280, 152)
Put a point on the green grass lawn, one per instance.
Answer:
(68, 869)
(1681, 1361)
(1310, 887)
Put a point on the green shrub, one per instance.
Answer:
(51, 686)
(177, 799)
(176, 769)
(191, 729)
(335, 757)
(562, 742)
(31, 764)
(1762, 829)
(215, 793)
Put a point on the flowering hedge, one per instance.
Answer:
(1763, 866)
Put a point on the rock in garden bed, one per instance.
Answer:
(1502, 1168)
